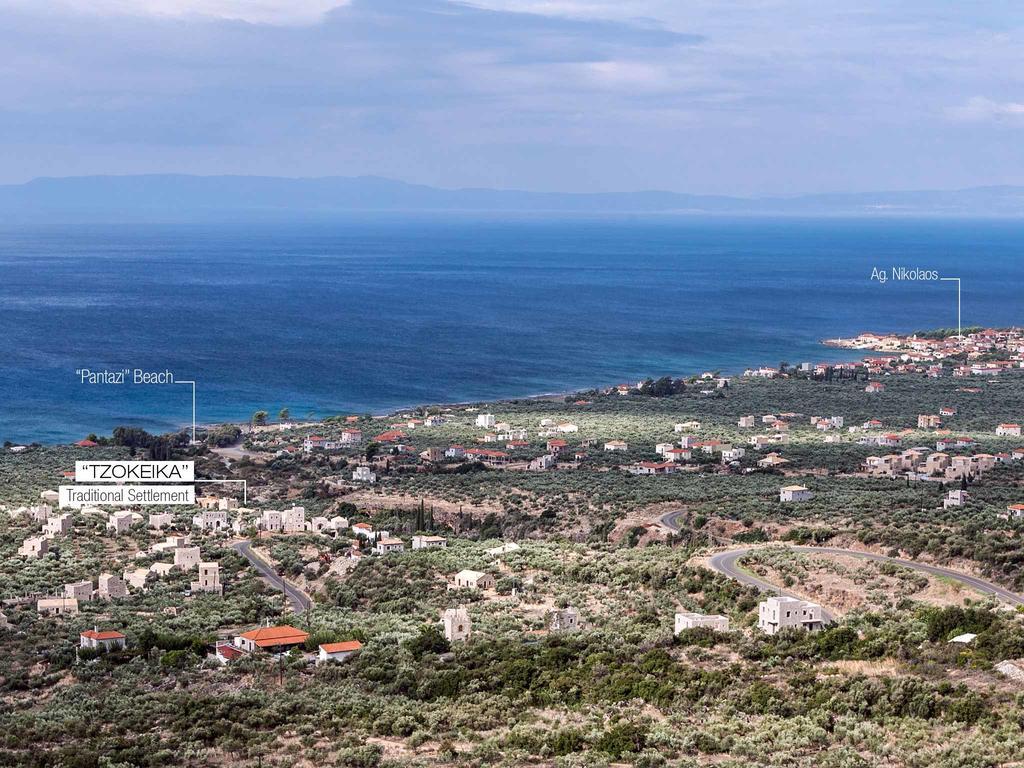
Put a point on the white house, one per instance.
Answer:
(778, 613)
(542, 463)
(364, 475)
(293, 520)
(209, 579)
(160, 520)
(385, 546)
(107, 640)
(120, 522)
(687, 620)
(186, 558)
(271, 520)
(59, 525)
(485, 420)
(457, 625)
(564, 620)
(34, 547)
(338, 651)
(794, 493)
(429, 542)
(211, 520)
(1008, 430)
(955, 498)
(468, 579)
(314, 443)
(616, 445)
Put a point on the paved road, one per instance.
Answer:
(726, 563)
(300, 600)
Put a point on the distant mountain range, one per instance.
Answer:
(176, 198)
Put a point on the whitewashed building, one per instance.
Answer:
(778, 613)
(688, 620)
(457, 625)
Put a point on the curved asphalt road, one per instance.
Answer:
(300, 600)
(726, 563)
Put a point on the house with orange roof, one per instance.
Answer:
(271, 639)
(1008, 430)
(338, 651)
(106, 640)
(1015, 511)
(390, 436)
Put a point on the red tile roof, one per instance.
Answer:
(107, 634)
(268, 637)
(346, 646)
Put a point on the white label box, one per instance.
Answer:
(98, 471)
(76, 496)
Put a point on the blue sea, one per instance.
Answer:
(374, 313)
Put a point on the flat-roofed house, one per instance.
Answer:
(794, 493)
(364, 475)
(105, 640)
(688, 620)
(457, 625)
(160, 520)
(111, 587)
(955, 498)
(209, 579)
(616, 445)
(468, 579)
(120, 522)
(293, 520)
(936, 463)
(79, 590)
(429, 542)
(564, 620)
(57, 606)
(186, 558)
(778, 613)
(338, 651)
(212, 520)
(34, 547)
(59, 525)
(386, 546)
(271, 639)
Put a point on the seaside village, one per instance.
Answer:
(758, 442)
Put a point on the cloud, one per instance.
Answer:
(255, 11)
(737, 96)
(980, 109)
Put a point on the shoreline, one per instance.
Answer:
(246, 425)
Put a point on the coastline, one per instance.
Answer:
(555, 395)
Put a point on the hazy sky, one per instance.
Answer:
(689, 95)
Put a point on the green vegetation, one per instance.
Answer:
(882, 686)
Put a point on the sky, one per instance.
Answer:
(705, 96)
